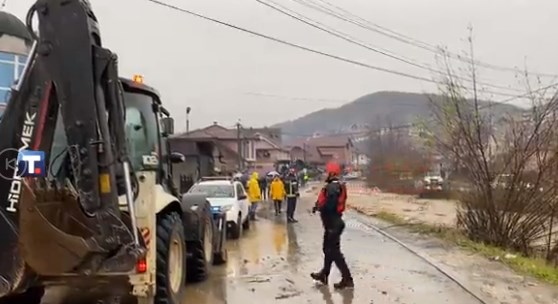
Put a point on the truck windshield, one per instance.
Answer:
(141, 134)
(141, 130)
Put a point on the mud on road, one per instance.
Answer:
(271, 263)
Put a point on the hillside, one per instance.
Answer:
(373, 110)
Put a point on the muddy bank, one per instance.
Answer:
(489, 277)
(410, 208)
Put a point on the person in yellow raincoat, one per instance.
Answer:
(254, 194)
(277, 191)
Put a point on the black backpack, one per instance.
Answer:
(332, 194)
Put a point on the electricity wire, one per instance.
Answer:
(304, 48)
(351, 39)
(338, 11)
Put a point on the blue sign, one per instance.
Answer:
(31, 163)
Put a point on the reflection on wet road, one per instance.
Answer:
(271, 263)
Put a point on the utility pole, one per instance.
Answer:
(188, 109)
(239, 143)
(304, 153)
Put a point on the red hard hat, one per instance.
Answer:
(333, 168)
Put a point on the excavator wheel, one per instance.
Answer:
(202, 249)
(171, 259)
(33, 295)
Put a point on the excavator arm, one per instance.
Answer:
(66, 221)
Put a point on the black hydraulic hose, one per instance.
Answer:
(29, 21)
(54, 159)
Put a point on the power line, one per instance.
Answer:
(301, 47)
(320, 26)
(371, 26)
(304, 48)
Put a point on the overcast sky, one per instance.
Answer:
(216, 70)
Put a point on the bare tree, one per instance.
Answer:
(395, 162)
(509, 165)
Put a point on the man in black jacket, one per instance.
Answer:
(263, 187)
(331, 205)
(291, 189)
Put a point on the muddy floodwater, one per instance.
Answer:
(272, 261)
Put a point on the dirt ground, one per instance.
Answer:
(412, 209)
(494, 280)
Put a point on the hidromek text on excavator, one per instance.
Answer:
(103, 219)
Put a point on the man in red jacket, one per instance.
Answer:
(331, 205)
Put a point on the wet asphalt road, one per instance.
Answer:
(272, 261)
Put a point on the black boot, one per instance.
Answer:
(344, 283)
(320, 277)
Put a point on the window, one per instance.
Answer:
(213, 190)
(11, 67)
(239, 190)
(7, 75)
(59, 147)
(141, 129)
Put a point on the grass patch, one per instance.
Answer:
(534, 267)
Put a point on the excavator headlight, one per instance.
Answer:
(138, 78)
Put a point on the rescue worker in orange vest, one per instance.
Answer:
(331, 205)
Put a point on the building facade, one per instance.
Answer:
(15, 44)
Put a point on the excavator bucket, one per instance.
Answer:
(52, 221)
(44, 218)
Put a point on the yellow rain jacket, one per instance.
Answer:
(254, 192)
(277, 189)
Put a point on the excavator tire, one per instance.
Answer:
(33, 295)
(202, 249)
(171, 257)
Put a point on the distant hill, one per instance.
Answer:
(372, 111)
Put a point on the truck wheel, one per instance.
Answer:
(246, 224)
(171, 259)
(237, 229)
(33, 295)
(202, 251)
